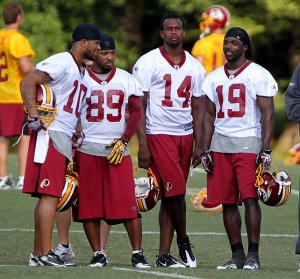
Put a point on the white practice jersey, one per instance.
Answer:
(70, 84)
(237, 113)
(170, 88)
(103, 111)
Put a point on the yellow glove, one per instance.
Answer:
(116, 155)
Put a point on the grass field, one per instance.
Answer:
(277, 245)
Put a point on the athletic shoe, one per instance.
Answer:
(98, 259)
(228, 265)
(168, 261)
(51, 260)
(139, 260)
(251, 264)
(186, 254)
(33, 260)
(20, 183)
(66, 254)
(6, 183)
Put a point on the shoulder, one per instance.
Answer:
(259, 71)
(18, 37)
(149, 55)
(194, 62)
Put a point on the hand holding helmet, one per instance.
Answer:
(264, 158)
(35, 123)
(207, 162)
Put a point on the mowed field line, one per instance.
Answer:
(162, 274)
(134, 270)
(155, 233)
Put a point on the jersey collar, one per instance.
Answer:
(238, 72)
(93, 75)
(175, 66)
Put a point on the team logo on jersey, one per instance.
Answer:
(176, 67)
(169, 186)
(45, 183)
(231, 77)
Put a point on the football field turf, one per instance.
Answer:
(277, 246)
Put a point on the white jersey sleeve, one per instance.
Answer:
(170, 88)
(237, 114)
(103, 111)
(70, 84)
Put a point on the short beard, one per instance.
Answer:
(173, 45)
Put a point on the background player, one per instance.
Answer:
(209, 48)
(16, 54)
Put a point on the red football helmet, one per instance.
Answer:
(274, 188)
(215, 16)
(200, 203)
(146, 189)
(45, 103)
(70, 191)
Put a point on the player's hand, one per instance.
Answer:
(264, 158)
(207, 162)
(116, 155)
(35, 124)
(77, 139)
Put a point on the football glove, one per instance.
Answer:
(116, 155)
(35, 124)
(264, 158)
(207, 162)
(77, 139)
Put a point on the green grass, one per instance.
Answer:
(277, 245)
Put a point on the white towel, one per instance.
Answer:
(41, 147)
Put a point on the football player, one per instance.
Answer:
(50, 148)
(292, 101)
(104, 163)
(238, 128)
(16, 55)
(171, 80)
(209, 48)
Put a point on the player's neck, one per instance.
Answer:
(175, 54)
(233, 65)
(12, 26)
(218, 31)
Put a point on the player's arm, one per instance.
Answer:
(266, 107)
(292, 97)
(144, 155)
(208, 124)
(28, 89)
(198, 109)
(25, 65)
(200, 58)
(135, 116)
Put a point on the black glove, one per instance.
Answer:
(35, 123)
(207, 162)
(264, 158)
(116, 155)
(77, 139)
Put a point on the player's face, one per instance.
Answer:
(91, 48)
(104, 60)
(233, 49)
(173, 32)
